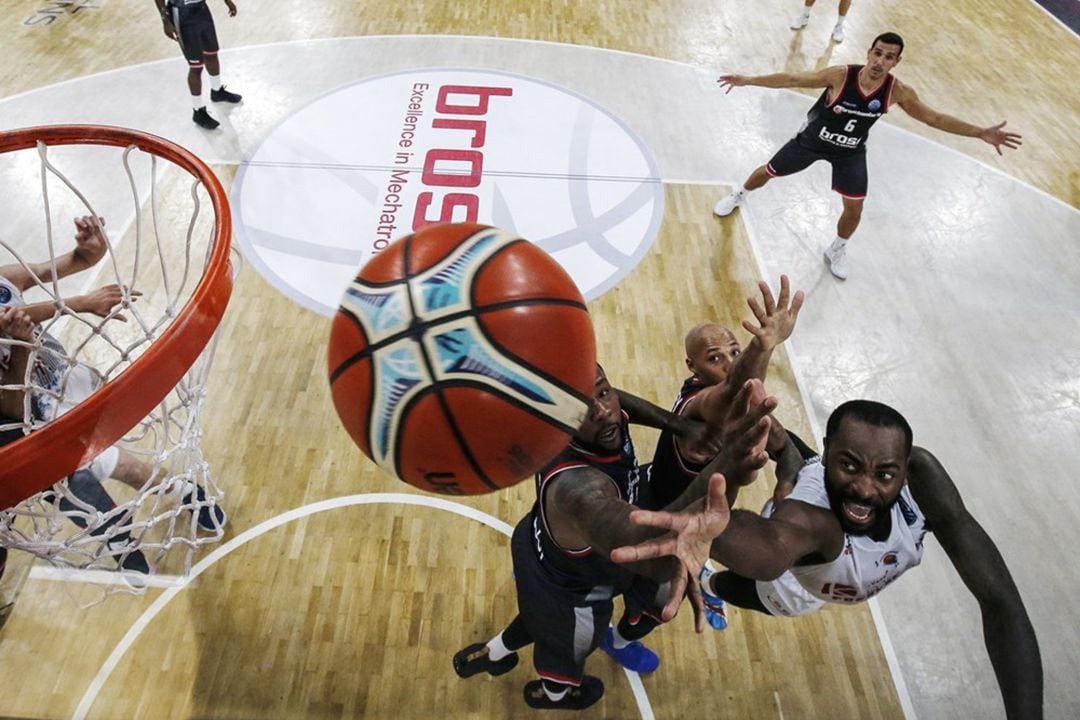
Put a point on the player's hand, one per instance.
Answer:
(168, 27)
(689, 540)
(90, 243)
(744, 434)
(232, 7)
(16, 324)
(729, 81)
(997, 136)
(776, 319)
(102, 301)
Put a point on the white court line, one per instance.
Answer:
(250, 534)
(746, 216)
(104, 577)
(1054, 17)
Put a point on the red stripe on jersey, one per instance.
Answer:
(555, 677)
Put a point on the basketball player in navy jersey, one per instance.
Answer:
(565, 581)
(854, 523)
(190, 23)
(837, 127)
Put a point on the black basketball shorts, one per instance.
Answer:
(195, 29)
(848, 168)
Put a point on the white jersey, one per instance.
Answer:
(864, 566)
(57, 383)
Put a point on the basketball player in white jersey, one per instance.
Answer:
(57, 384)
(853, 524)
(837, 127)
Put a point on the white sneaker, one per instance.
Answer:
(727, 205)
(838, 34)
(800, 21)
(836, 259)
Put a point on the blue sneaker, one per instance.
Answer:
(715, 610)
(634, 656)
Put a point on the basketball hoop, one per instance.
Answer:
(152, 368)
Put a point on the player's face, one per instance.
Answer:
(603, 424)
(881, 59)
(714, 355)
(865, 468)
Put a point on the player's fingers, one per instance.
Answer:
(785, 292)
(657, 547)
(755, 307)
(767, 297)
(697, 602)
(658, 519)
(797, 303)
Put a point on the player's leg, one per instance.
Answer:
(571, 633)
(499, 655)
(218, 93)
(623, 642)
(803, 17)
(838, 29)
(191, 45)
(849, 179)
(136, 473)
(86, 492)
(789, 159)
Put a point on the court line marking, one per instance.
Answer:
(103, 577)
(144, 620)
(746, 217)
(1054, 17)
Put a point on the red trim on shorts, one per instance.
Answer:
(194, 65)
(555, 677)
(841, 193)
(770, 171)
(209, 52)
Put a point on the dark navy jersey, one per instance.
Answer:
(845, 123)
(671, 472)
(581, 571)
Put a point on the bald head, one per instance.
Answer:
(710, 351)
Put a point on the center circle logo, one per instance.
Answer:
(336, 181)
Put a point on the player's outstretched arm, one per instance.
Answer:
(1009, 635)
(752, 546)
(995, 135)
(827, 77)
(90, 247)
(775, 321)
(583, 509)
(692, 433)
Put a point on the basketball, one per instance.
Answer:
(462, 359)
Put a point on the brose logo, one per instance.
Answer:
(338, 180)
(839, 138)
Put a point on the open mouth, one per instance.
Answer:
(858, 513)
(610, 435)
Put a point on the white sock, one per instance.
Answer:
(838, 244)
(555, 696)
(197, 101)
(617, 640)
(840, 20)
(805, 13)
(497, 650)
(215, 81)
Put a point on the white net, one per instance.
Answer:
(78, 308)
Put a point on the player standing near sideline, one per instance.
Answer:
(190, 23)
(836, 130)
(838, 30)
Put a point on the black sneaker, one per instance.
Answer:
(576, 698)
(211, 517)
(203, 119)
(224, 95)
(474, 659)
(134, 561)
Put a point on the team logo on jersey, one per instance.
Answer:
(874, 105)
(383, 157)
(906, 510)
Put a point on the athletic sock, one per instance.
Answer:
(617, 640)
(197, 102)
(555, 695)
(840, 20)
(215, 81)
(838, 244)
(497, 650)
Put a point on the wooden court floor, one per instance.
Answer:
(354, 611)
